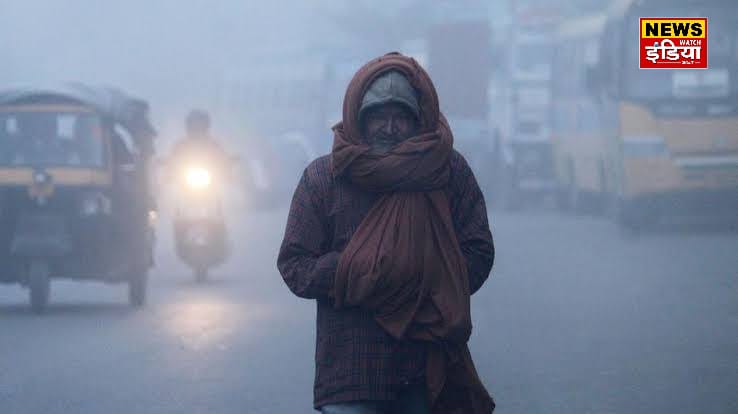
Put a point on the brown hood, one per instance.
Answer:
(404, 262)
(352, 144)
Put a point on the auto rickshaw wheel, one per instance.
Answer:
(39, 282)
(137, 286)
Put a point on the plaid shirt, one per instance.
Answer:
(355, 358)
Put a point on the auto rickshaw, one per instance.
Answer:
(75, 193)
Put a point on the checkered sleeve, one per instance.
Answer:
(306, 267)
(469, 213)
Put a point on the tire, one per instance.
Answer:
(39, 282)
(137, 288)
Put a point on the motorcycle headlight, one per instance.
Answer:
(153, 218)
(197, 178)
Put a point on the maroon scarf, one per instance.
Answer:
(404, 262)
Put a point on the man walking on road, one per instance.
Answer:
(389, 233)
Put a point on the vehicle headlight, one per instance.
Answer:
(41, 177)
(644, 146)
(90, 206)
(153, 218)
(197, 178)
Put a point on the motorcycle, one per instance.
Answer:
(199, 223)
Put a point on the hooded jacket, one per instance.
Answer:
(356, 358)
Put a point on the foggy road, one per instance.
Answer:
(575, 318)
(115, 113)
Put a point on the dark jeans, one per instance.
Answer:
(411, 401)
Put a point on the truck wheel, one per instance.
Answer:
(137, 286)
(39, 282)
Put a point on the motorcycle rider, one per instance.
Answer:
(200, 154)
(199, 144)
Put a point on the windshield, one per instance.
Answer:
(45, 139)
(717, 82)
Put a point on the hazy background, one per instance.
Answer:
(184, 54)
(578, 316)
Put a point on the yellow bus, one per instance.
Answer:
(579, 145)
(647, 143)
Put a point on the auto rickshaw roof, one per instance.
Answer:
(130, 112)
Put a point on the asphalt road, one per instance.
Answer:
(576, 318)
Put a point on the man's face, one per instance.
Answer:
(387, 125)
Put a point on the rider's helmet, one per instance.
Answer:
(198, 123)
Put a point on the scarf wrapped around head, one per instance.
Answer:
(404, 262)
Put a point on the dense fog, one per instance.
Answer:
(611, 193)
